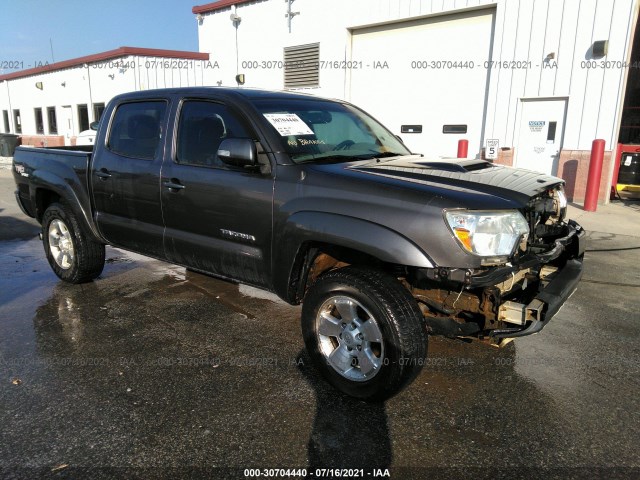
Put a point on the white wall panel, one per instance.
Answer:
(553, 30)
(580, 75)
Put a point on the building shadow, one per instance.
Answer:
(347, 433)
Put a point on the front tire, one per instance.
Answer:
(72, 255)
(364, 331)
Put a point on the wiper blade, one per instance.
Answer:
(329, 159)
(381, 155)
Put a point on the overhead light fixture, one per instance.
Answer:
(199, 18)
(235, 18)
(39, 85)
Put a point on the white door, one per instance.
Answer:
(429, 76)
(65, 124)
(540, 136)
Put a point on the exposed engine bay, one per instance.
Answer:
(498, 303)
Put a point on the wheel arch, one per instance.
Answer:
(330, 241)
(48, 188)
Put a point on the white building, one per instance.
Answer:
(542, 78)
(50, 105)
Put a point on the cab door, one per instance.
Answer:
(218, 218)
(126, 177)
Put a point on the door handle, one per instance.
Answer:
(174, 184)
(103, 174)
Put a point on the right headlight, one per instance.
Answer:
(487, 233)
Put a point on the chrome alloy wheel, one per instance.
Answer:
(349, 338)
(61, 244)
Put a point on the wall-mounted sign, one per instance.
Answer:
(537, 125)
(491, 150)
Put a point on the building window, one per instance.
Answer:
(17, 121)
(83, 117)
(5, 118)
(53, 122)
(98, 109)
(136, 129)
(302, 66)
(39, 121)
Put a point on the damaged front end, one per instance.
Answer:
(509, 295)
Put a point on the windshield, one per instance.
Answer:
(317, 130)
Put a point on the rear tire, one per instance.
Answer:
(364, 331)
(73, 256)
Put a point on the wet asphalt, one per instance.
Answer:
(152, 371)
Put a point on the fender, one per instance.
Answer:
(344, 231)
(80, 205)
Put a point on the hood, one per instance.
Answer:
(515, 184)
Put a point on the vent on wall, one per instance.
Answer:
(302, 66)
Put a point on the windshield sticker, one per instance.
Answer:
(288, 124)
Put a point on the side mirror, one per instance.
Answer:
(238, 152)
(94, 125)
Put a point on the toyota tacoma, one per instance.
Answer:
(316, 201)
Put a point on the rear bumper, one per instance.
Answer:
(549, 299)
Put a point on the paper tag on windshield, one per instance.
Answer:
(288, 124)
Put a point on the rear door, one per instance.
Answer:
(218, 218)
(126, 177)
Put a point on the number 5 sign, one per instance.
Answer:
(491, 151)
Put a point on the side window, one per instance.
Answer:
(137, 129)
(98, 109)
(53, 122)
(201, 128)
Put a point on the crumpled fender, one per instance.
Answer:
(341, 230)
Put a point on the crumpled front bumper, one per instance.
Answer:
(550, 298)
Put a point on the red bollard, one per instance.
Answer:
(595, 173)
(463, 148)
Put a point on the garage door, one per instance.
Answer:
(427, 75)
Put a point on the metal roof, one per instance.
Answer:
(97, 57)
(210, 7)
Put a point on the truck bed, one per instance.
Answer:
(66, 168)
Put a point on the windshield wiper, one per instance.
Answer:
(381, 155)
(329, 159)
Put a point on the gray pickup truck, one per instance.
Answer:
(318, 202)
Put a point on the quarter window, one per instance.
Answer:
(201, 129)
(137, 129)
